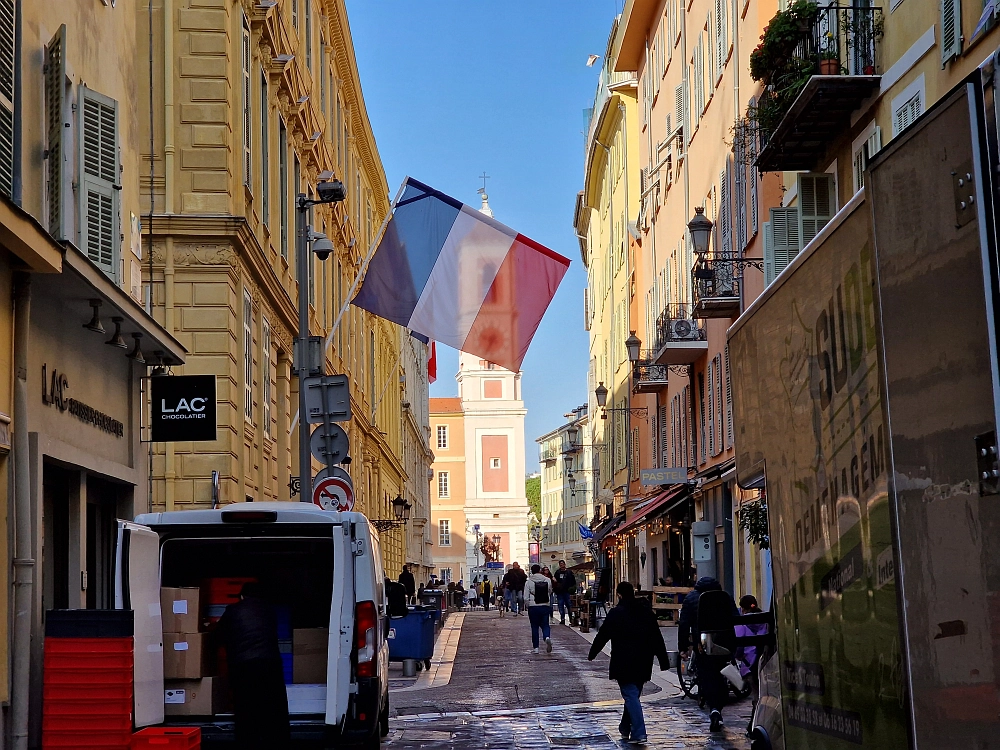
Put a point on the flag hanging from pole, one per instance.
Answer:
(585, 533)
(450, 272)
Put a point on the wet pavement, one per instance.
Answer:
(502, 696)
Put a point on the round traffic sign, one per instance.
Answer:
(338, 443)
(334, 493)
(333, 471)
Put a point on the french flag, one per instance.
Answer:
(454, 274)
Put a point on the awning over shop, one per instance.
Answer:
(653, 507)
(584, 567)
(607, 528)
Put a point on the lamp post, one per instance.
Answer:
(475, 528)
(329, 191)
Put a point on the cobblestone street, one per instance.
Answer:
(500, 695)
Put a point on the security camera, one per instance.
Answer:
(321, 245)
(331, 191)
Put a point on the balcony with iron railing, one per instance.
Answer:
(648, 377)
(817, 64)
(716, 287)
(548, 453)
(680, 338)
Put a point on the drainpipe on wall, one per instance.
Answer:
(24, 564)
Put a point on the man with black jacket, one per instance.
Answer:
(565, 586)
(711, 684)
(249, 631)
(635, 640)
(409, 584)
(514, 579)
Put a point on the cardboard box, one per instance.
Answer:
(185, 656)
(180, 609)
(309, 655)
(204, 697)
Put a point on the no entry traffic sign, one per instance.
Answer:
(334, 493)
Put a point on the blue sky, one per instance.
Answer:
(455, 88)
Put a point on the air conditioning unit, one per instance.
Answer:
(684, 330)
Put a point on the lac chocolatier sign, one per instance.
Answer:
(184, 407)
(55, 389)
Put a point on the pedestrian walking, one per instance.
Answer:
(565, 586)
(552, 594)
(514, 579)
(406, 578)
(539, 590)
(249, 631)
(487, 590)
(636, 640)
(712, 685)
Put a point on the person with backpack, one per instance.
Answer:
(538, 590)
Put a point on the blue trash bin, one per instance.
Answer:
(411, 637)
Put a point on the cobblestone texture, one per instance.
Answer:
(504, 697)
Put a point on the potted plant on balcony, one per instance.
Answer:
(783, 62)
(829, 56)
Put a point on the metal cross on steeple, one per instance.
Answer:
(484, 177)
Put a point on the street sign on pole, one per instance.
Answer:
(327, 395)
(332, 471)
(334, 493)
(329, 444)
(494, 565)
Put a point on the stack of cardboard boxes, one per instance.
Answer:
(192, 687)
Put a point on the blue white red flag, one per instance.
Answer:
(454, 274)
(585, 533)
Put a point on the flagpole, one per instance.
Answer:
(357, 281)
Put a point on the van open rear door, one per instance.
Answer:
(338, 667)
(137, 587)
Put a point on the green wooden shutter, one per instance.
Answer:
(7, 31)
(817, 204)
(784, 238)
(100, 235)
(55, 126)
(951, 30)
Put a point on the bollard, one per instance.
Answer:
(409, 667)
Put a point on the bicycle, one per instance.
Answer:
(687, 676)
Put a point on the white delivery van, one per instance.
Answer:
(324, 566)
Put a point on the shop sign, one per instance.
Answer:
(184, 408)
(648, 477)
(55, 392)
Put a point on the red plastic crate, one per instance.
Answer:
(93, 678)
(167, 738)
(72, 693)
(86, 661)
(86, 705)
(89, 645)
(222, 590)
(87, 725)
(91, 741)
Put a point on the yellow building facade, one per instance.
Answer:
(252, 104)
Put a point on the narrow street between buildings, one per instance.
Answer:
(485, 689)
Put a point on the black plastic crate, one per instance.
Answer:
(89, 623)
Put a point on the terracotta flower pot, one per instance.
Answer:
(829, 67)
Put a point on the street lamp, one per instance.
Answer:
(700, 229)
(328, 191)
(401, 511)
(632, 345)
(571, 480)
(602, 395)
(572, 434)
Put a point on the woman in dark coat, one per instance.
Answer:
(635, 640)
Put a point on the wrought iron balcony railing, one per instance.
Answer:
(649, 378)
(716, 284)
(680, 338)
(814, 84)
(548, 454)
